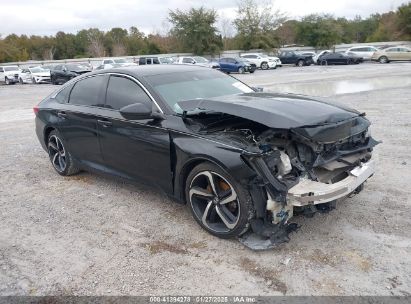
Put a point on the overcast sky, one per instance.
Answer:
(46, 17)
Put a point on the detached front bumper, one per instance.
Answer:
(308, 192)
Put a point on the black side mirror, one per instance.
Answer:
(137, 111)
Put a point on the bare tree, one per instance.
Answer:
(96, 46)
(119, 49)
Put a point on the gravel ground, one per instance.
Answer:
(91, 235)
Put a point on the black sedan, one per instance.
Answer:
(338, 58)
(245, 162)
(292, 57)
(63, 72)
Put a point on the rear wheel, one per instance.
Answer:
(6, 80)
(383, 59)
(218, 203)
(241, 70)
(300, 63)
(60, 157)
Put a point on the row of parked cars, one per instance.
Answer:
(245, 63)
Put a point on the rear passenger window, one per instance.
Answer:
(64, 94)
(87, 91)
(122, 92)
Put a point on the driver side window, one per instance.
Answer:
(122, 92)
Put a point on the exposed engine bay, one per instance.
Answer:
(298, 170)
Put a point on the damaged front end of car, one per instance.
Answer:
(300, 168)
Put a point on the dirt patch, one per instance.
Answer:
(363, 263)
(268, 274)
(160, 246)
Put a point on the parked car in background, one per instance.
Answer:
(323, 52)
(109, 66)
(398, 53)
(121, 61)
(9, 74)
(87, 64)
(337, 58)
(198, 60)
(34, 75)
(312, 54)
(155, 60)
(236, 65)
(64, 72)
(262, 61)
(365, 52)
(48, 66)
(292, 57)
(356, 58)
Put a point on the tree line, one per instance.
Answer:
(257, 25)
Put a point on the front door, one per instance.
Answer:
(133, 149)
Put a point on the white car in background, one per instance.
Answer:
(9, 74)
(117, 61)
(198, 60)
(34, 75)
(262, 61)
(365, 51)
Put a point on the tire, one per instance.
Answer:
(300, 63)
(60, 157)
(33, 80)
(6, 81)
(53, 80)
(21, 81)
(383, 59)
(264, 66)
(209, 209)
(252, 71)
(241, 70)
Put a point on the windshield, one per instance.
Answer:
(11, 68)
(195, 85)
(120, 60)
(37, 70)
(199, 59)
(166, 59)
(75, 67)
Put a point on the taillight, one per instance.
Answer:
(36, 109)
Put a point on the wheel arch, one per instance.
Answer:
(187, 167)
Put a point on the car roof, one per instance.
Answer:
(150, 70)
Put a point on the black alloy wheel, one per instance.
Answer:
(59, 156)
(217, 202)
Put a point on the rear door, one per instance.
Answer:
(404, 54)
(79, 119)
(138, 149)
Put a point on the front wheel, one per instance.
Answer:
(60, 157)
(21, 81)
(383, 59)
(218, 203)
(241, 70)
(7, 81)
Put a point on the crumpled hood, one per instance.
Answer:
(280, 111)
